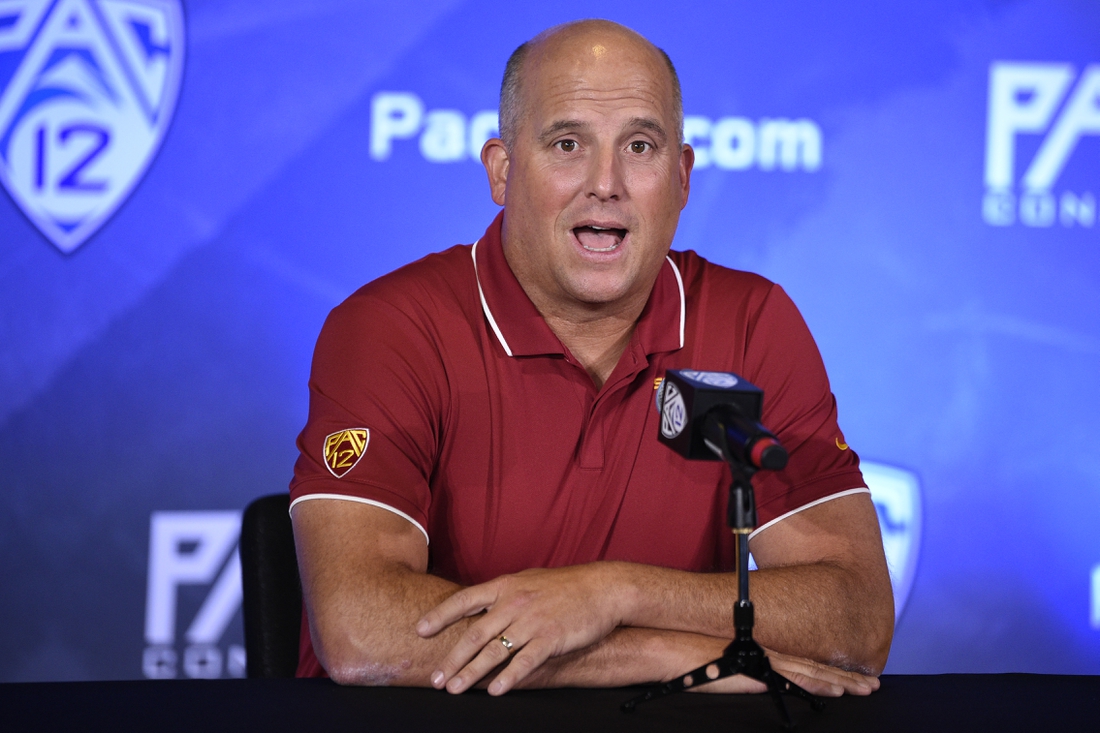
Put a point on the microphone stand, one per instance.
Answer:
(743, 655)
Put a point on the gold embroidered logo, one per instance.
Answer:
(842, 446)
(344, 448)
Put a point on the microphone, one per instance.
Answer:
(713, 416)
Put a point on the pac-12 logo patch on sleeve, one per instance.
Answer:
(87, 89)
(344, 448)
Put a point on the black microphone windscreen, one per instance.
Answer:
(687, 395)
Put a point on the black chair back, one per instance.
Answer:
(272, 589)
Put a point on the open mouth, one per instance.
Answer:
(599, 239)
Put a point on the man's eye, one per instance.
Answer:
(568, 146)
(639, 147)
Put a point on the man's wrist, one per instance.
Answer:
(627, 656)
(623, 586)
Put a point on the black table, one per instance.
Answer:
(1008, 702)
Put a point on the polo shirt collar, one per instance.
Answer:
(521, 329)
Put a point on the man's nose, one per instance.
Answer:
(605, 175)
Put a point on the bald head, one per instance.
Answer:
(575, 40)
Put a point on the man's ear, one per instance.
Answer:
(494, 156)
(687, 162)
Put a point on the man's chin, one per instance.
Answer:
(601, 292)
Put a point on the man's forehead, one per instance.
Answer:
(622, 88)
(555, 126)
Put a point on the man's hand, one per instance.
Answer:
(633, 655)
(543, 613)
(813, 677)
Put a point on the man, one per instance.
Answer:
(497, 401)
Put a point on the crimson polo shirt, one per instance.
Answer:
(473, 421)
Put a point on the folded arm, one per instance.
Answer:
(603, 624)
(822, 592)
(365, 585)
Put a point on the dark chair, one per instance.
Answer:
(272, 589)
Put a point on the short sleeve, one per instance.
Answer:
(375, 400)
(799, 407)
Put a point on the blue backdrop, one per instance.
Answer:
(189, 190)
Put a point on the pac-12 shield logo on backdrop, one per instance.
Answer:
(87, 89)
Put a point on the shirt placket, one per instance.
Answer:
(593, 452)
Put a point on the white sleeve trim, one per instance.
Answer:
(822, 500)
(378, 504)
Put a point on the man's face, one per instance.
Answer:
(596, 177)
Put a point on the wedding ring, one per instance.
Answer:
(508, 645)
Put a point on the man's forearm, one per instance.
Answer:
(367, 637)
(364, 584)
(827, 613)
(820, 611)
(823, 590)
(373, 642)
(634, 655)
(627, 656)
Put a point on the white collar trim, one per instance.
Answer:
(683, 303)
(504, 342)
(489, 313)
